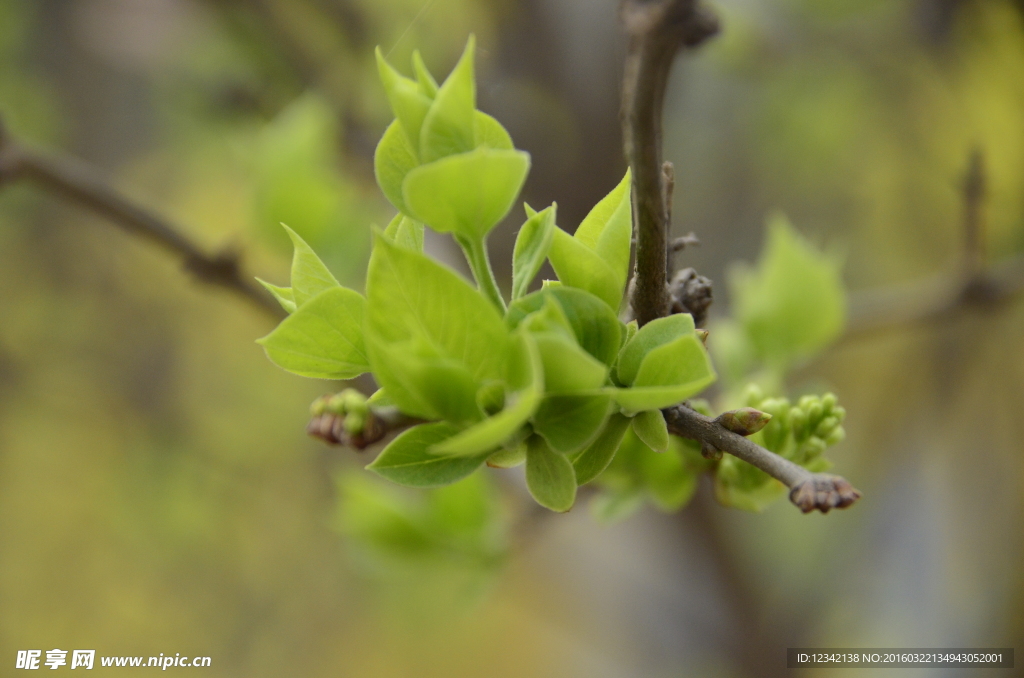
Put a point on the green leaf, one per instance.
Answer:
(466, 194)
(449, 125)
(668, 375)
(571, 422)
(531, 249)
(793, 304)
(578, 266)
(608, 228)
(407, 460)
(549, 476)
(425, 384)
(408, 100)
(427, 83)
(489, 132)
(493, 431)
(309, 275)
(405, 232)
(670, 481)
(595, 325)
(615, 505)
(567, 367)
(651, 428)
(590, 463)
(394, 158)
(412, 296)
(284, 295)
(508, 458)
(323, 339)
(652, 335)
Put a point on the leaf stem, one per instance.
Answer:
(476, 254)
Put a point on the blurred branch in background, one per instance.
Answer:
(79, 183)
(975, 286)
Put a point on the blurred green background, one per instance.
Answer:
(158, 493)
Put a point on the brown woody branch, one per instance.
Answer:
(77, 182)
(809, 491)
(657, 30)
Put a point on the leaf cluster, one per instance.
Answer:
(552, 380)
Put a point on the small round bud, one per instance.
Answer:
(797, 421)
(336, 403)
(354, 423)
(826, 426)
(813, 447)
(708, 451)
(354, 401)
(318, 406)
(837, 436)
(814, 412)
(744, 421)
(753, 395)
(829, 402)
(839, 412)
(805, 401)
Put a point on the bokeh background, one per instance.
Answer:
(158, 493)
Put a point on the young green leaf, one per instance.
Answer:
(408, 100)
(652, 335)
(549, 476)
(668, 375)
(466, 194)
(412, 296)
(323, 338)
(508, 458)
(608, 228)
(571, 422)
(425, 384)
(427, 82)
(309, 275)
(394, 158)
(490, 133)
(793, 304)
(531, 249)
(650, 427)
(595, 325)
(284, 295)
(493, 431)
(567, 367)
(407, 460)
(405, 232)
(448, 127)
(578, 266)
(590, 463)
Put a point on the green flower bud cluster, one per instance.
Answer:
(800, 432)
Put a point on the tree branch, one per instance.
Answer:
(77, 182)
(656, 29)
(809, 491)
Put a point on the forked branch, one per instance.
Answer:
(657, 29)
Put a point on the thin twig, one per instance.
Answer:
(77, 182)
(656, 29)
(809, 491)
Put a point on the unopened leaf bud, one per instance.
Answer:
(797, 420)
(753, 395)
(318, 406)
(745, 421)
(702, 335)
(837, 436)
(813, 447)
(354, 401)
(826, 426)
(709, 451)
(354, 423)
(805, 401)
(336, 403)
(839, 412)
(829, 402)
(814, 412)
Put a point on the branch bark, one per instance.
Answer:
(79, 183)
(657, 30)
(809, 491)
